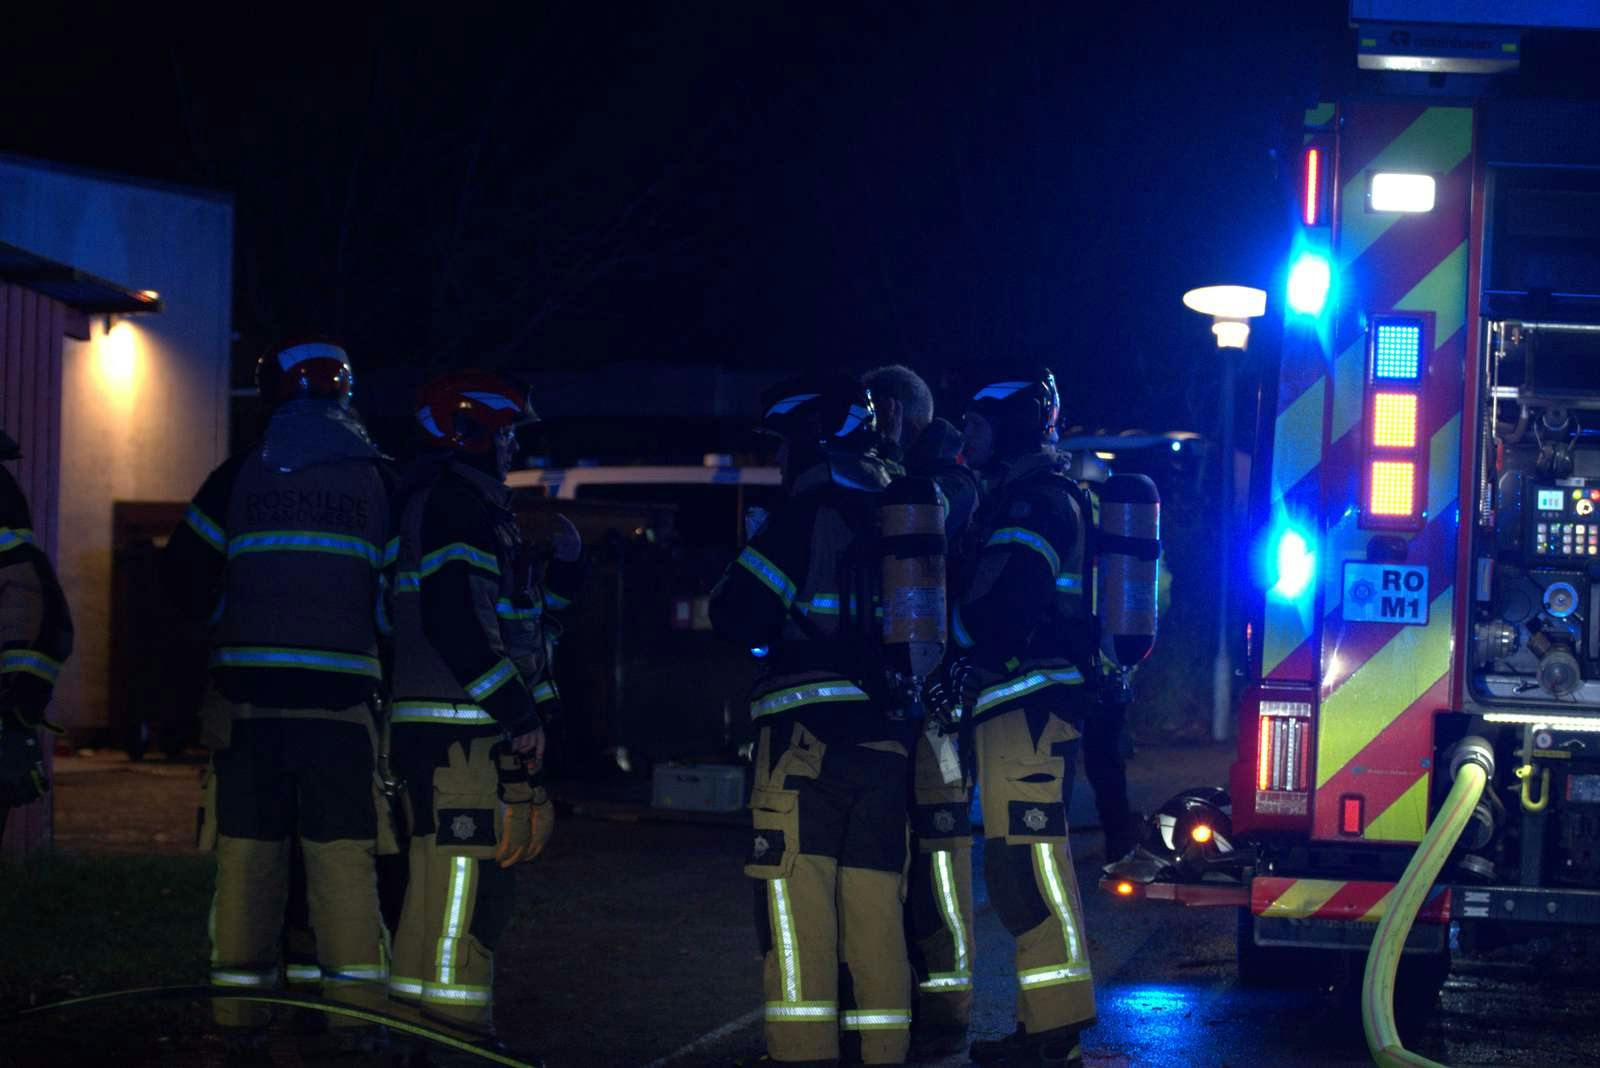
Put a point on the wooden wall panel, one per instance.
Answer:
(31, 328)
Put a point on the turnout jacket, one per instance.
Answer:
(474, 636)
(283, 552)
(1020, 619)
(806, 588)
(35, 624)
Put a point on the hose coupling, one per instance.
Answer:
(1475, 750)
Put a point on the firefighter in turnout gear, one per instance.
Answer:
(35, 638)
(939, 908)
(472, 688)
(1025, 643)
(283, 551)
(829, 800)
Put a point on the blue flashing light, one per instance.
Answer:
(1296, 565)
(1309, 281)
(759, 651)
(1177, 446)
(1397, 352)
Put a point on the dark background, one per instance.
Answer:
(746, 185)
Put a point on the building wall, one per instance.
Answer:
(144, 405)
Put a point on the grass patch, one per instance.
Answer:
(75, 926)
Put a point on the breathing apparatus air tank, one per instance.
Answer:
(911, 525)
(1128, 568)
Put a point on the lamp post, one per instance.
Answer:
(1231, 308)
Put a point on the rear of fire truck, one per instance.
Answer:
(1427, 502)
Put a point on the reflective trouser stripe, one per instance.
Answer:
(1053, 976)
(788, 942)
(358, 973)
(871, 1020)
(455, 914)
(402, 987)
(1076, 966)
(303, 973)
(241, 977)
(944, 892)
(802, 1011)
(457, 994)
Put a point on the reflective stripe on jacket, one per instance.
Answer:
(301, 553)
(472, 638)
(1027, 595)
(783, 591)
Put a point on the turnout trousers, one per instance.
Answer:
(287, 773)
(1028, 865)
(829, 855)
(939, 913)
(458, 899)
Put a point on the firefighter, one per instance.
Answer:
(35, 638)
(829, 798)
(283, 549)
(472, 689)
(939, 908)
(920, 443)
(1019, 629)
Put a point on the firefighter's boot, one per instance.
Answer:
(1057, 1048)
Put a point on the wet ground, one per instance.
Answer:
(633, 946)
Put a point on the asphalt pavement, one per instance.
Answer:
(633, 945)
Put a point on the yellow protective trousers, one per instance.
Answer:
(939, 895)
(458, 899)
(829, 854)
(1028, 865)
(288, 773)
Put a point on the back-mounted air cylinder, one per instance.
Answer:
(1129, 568)
(911, 526)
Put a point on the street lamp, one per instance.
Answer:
(1231, 308)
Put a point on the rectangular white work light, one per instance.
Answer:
(1401, 192)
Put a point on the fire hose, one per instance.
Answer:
(1471, 767)
(299, 1001)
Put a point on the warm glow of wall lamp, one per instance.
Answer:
(149, 297)
(1231, 308)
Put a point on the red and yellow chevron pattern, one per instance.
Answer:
(1379, 684)
(1334, 899)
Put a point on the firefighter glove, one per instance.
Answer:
(525, 829)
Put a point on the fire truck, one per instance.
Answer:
(1426, 509)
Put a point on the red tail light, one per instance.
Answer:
(1271, 783)
(1313, 186)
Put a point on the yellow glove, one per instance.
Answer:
(541, 822)
(525, 829)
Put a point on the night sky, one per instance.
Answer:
(751, 185)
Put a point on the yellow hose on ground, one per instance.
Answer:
(1377, 983)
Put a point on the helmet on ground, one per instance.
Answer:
(464, 410)
(824, 410)
(306, 367)
(1027, 403)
